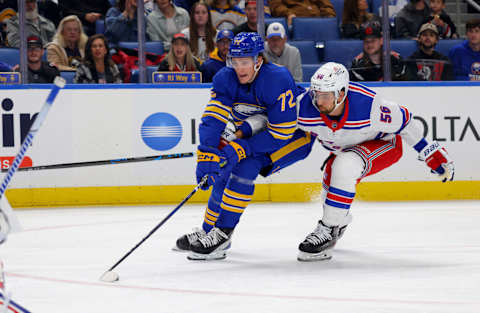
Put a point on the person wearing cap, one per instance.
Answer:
(39, 72)
(179, 58)
(280, 52)
(465, 56)
(410, 18)
(218, 57)
(426, 63)
(35, 25)
(165, 21)
(201, 32)
(368, 65)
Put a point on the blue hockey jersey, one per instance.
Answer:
(272, 93)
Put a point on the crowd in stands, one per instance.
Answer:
(87, 38)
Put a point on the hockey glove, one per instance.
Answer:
(208, 163)
(438, 160)
(233, 153)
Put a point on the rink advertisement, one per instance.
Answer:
(88, 124)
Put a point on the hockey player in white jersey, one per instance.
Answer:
(364, 134)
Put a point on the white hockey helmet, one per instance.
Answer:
(330, 77)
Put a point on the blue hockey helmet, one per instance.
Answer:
(246, 45)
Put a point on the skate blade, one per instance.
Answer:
(312, 257)
(218, 255)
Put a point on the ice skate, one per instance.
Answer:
(184, 243)
(318, 245)
(212, 246)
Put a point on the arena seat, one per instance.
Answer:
(308, 51)
(150, 46)
(100, 26)
(136, 74)
(342, 51)
(338, 6)
(406, 47)
(11, 56)
(68, 76)
(309, 70)
(315, 28)
(445, 45)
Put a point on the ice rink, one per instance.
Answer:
(394, 257)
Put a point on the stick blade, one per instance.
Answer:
(109, 277)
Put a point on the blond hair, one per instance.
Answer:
(58, 37)
(189, 62)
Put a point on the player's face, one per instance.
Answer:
(428, 39)
(34, 54)
(372, 45)
(98, 49)
(200, 15)
(244, 67)
(473, 35)
(325, 101)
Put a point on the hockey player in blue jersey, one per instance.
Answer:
(364, 134)
(249, 86)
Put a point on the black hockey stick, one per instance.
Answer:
(110, 276)
(106, 162)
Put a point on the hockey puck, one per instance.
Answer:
(109, 277)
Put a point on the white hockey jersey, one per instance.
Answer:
(366, 117)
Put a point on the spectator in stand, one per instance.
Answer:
(201, 33)
(68, 46)
(410, 18)
(426, 63)
(49, 9)
(35, 25)
(89, 11)
(442, 20)
(266, 8)
(179, 58)
(165, 21)
(225, 14)
(465, 57)
(355, 13)
(218, 57)
(97, 67)
(368, 65)
(301, 8)
(121, 22)
(250, 26)
(278, 51)
(39, 72)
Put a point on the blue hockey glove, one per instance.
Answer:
(208, 163)
(233, 153)
(438, 160)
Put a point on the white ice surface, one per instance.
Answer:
(395, 257)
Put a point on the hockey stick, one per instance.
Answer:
(106, 162)
(58, 84)
(110, 276)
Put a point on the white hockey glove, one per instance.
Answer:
(438, 160)
(251, 126)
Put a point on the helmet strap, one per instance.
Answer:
(256, 68)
